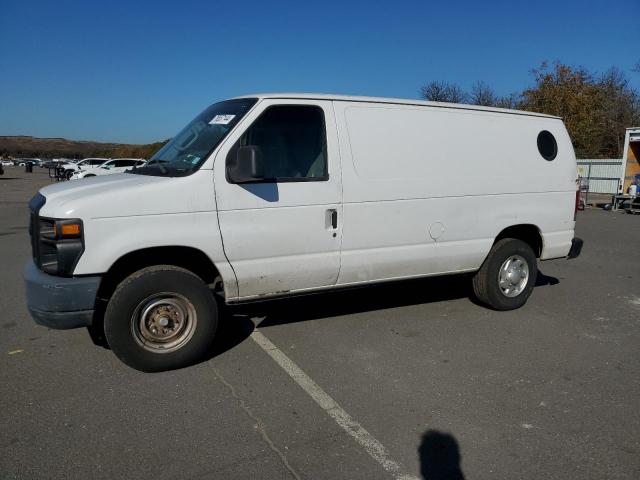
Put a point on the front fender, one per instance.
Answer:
(109, 239)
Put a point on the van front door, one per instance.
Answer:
(282, 229)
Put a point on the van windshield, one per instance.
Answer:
(189, 149)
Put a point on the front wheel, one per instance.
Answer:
(161, 318)
(507, 276)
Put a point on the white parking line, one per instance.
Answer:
(372, 446)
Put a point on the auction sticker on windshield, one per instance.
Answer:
(221, 119)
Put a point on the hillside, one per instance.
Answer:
(26, 146)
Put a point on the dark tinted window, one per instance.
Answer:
(547, 145)
(125, 163)
(292, 143)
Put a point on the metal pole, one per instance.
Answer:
(586, 196)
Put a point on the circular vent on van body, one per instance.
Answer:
(547, 145)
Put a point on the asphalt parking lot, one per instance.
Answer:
(447, 388)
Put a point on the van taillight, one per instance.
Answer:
(577, 205)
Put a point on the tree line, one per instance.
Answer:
(135, 151)
(33, 147)
(596, 108)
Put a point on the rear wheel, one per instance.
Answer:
(161, 318)
(68, 174)
(507, 276)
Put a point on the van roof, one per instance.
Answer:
(395, 101)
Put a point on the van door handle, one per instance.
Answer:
(332, 217)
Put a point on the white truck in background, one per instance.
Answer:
(274, 195)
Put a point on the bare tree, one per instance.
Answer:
(511, 101)
(483, 94)
(443, 92)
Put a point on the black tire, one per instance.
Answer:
(90, 175)
(486, 282)
(68, 174)
(136, 294)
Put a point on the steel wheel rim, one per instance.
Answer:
(513, 276)
(163, 322)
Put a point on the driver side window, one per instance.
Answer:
(292, 142)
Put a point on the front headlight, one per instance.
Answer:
(60, 245)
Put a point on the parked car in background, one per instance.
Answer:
(70, 168)
(53, 163)
(7, 163)
(21, 162)
(117, 165)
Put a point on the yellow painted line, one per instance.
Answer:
(13, 352)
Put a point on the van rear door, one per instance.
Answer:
(282, 230)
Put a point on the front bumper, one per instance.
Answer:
(576, 248)
(60, 302)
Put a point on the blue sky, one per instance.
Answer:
(136, 72)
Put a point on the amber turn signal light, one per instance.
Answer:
(71, 230)
(67, 230)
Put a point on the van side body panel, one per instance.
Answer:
(427, 190)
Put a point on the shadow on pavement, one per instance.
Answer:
(356, 300)
(236, 325)
(439, 456)
(232, 331)
(364, 299)
(543, 280)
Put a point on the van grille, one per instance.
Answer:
(35, 205)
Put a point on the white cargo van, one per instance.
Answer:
(272, 195)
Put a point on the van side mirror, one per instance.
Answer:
(246, 165)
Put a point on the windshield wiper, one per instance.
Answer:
(159, 163)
